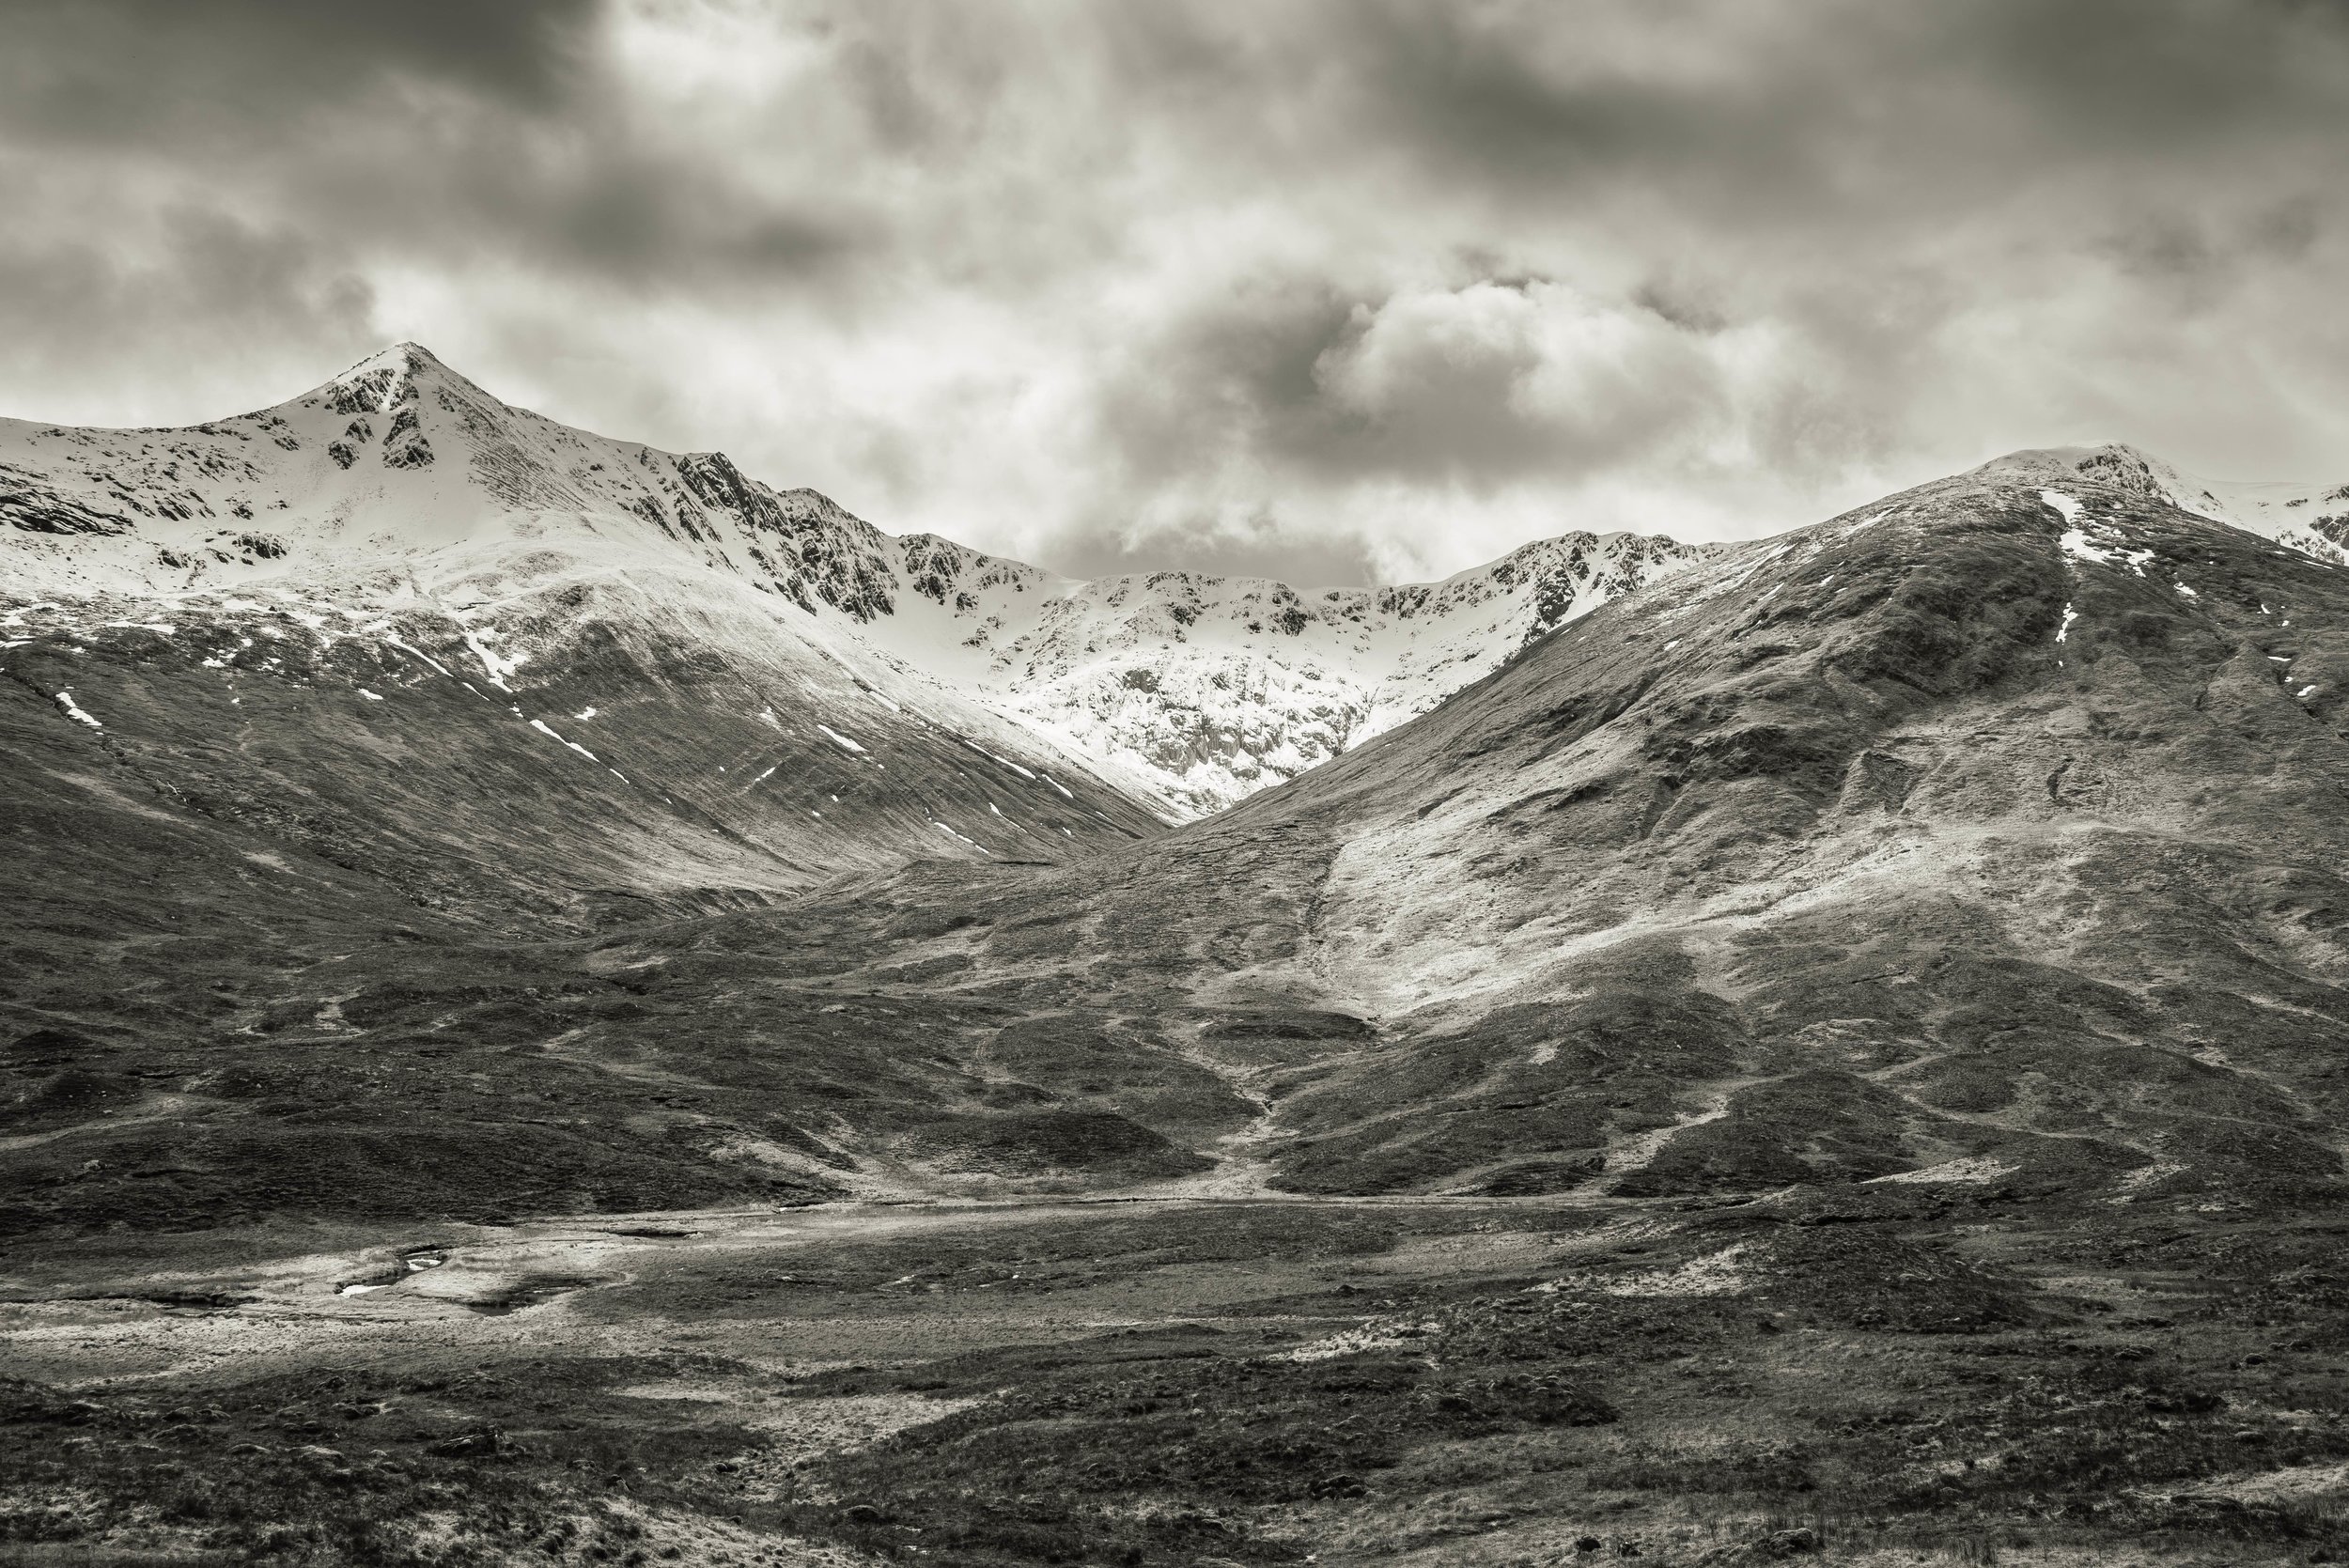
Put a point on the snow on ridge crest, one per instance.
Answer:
(1196, 689)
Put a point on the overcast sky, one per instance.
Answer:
(1345, 291)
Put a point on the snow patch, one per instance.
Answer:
(2063, 504)
(2076, 544)
(841, 740)
(1005, 761)
(541, 725)
(74, 710)
(497, 666)
(403, 647)
(966, 838)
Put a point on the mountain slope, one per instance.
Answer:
(2312, 518)
(1212, 688)
(659, 654)
(1988, 835)
(1858, 1022)
(1184, 691)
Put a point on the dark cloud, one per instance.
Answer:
(119, 70)
(1306, 286)
(1472, 387)
(1241, 370)
(590, 204)
(1856, 108)
(215, 303)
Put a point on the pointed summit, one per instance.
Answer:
(404, 355)
(388, 378)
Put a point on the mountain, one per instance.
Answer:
(1987, 837)
(394, 623)
(1183, 692)
(596, 769)
(2312, 519)
(1832, 1056)
(1992, 828)
(398, 690)
(1211, 688)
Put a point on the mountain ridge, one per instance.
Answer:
(1191, 689)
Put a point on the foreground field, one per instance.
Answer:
(1909, 1372)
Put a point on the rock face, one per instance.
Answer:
(1187, 691)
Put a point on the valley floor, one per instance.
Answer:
(1950, 1375)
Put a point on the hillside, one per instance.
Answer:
(1989, 829)
(1986, 834)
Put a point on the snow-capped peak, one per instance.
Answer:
(388, 378)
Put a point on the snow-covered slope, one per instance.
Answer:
(398, 456)
(1184, 691)
(567, 669)
(2313, 518)
(1215, 687)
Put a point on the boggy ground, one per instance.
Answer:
(1898, 1372)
